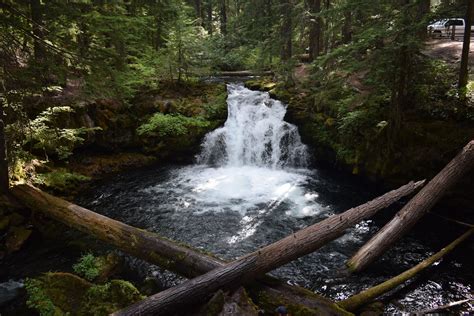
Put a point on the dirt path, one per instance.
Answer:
(448, 50)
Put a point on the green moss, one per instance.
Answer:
(67, 294)
(39, 300)
(60, 180)
(56, 293)
(108, 298)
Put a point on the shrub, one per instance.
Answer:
(170, 125)
(87, 267)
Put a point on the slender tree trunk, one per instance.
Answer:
(163, 252)
(4, 179)
(347, 26)
(286, 31)
(463, 72)
(223, 17)
(263, 260)
(210, 25)
(315, 29)
(37, 28)
(354, 302)
(414, 209)
(198, 8)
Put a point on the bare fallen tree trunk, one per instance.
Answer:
(168, 254)
(413, 210)
(244, 73)
(263, 260)
(366, 296)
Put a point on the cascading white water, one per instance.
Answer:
(254, 134)
(254, 166)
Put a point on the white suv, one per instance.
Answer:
(445, 27)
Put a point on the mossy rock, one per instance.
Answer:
(56, 293)
(61, 293)
(110, 297)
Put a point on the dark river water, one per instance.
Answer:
(252, 185)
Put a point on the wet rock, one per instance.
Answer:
(10, 290)
(151, 286)
(225, 304)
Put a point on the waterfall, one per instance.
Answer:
(254, 134)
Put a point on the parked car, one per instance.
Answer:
(444, 27)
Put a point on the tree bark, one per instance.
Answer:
(4, 178)
(315, 29)
(463, 71)
(414, 210)
(209, 17)
(366, 296)
(286, 31)
(347, 27)
(263, 260)
(223, 17)
(165, 253)
(37, 28)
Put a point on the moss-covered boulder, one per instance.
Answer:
(65, 293)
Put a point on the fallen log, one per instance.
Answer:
(366, 296)
(418, 206)
(443, 307)
(168, 254)
(263, 260)
(244, 73)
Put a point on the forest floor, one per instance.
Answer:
(448, 50)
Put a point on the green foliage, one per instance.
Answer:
(166, 125)
(110, 297)
(39, 300)
(87, 267)
(49, 137)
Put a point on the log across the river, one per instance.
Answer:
(366, 296)
(169, 254)
(418, 206)
(263, 260)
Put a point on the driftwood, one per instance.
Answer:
(263, 260)
(366, 296)
(443, 307)
(418, 206)
(168, 254)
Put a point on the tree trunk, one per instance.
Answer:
(347, 26)
(263, 260)
(37, 28)
(209, 17)
(366, 296)
(286, 31)
(165, 253)
(463, 71)
(315, 30)
(223, 17)
(4, 179)
(414, 209)
(198, 9)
